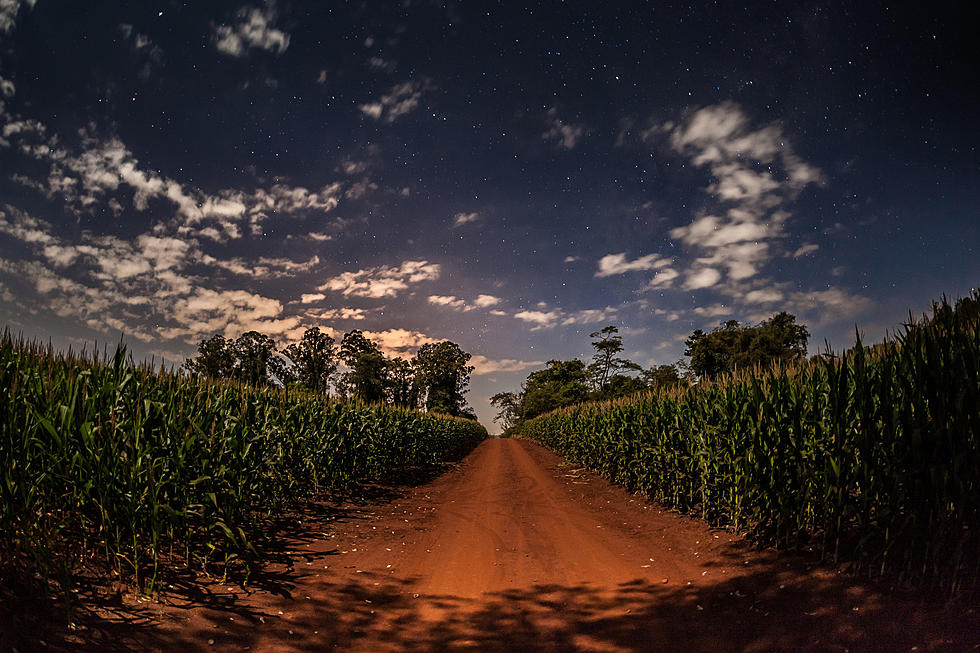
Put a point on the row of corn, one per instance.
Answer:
(107, 463)
(870, 457)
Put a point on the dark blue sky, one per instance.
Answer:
(504, 175)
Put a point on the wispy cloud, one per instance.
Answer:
(701, 278)
(755, 177)
(252, 28)
(547, 319)
(565, 135)
(100, 169)
(399, 342)
(612, 264)
(484, 301)
(7, 88)
(448, 301)
(483, 365)
(402, 99)
(8, 13)
(590, 316)
(341, 314)
(382, 281)
(806, 248)
(663, 279)
(540, 319)
(465, 218)
(451, 301)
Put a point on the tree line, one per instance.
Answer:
(434, 380)
(726, 348)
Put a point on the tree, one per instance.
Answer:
(244, 359)
(365, 379)
(215, 359)
(731, 345)
(510, 405)
(621, 385)
(562, 383)
(607, 343)
(661, 376)
(441, 377)
(252, 353)
(400, 378)
(314, 358)
(281, 370)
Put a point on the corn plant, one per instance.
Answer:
(104, 461)
(870, 456)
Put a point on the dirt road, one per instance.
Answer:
(515, 550)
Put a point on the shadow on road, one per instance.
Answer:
(758, 611)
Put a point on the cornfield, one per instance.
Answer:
(870, 457)
(105, 463)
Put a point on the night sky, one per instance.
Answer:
(508, 176)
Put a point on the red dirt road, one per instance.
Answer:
(515, 550)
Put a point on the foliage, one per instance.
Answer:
(441, 377)
(562, 383)
(400, 389)
(249, 359)
(510, 408)
(366, 378)
(215, 358)
(314, 358)
(101, 462)
(734, 346)
(661, 377)
(607, 343)
(620, 385)
(871, 456)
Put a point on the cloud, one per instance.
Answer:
(565, 135)
(263, 267)
(8, 13)
(451, 301)
(465, 218)
(806, 248)
(713, 310)
(7, 88)
(663, 279)
(101, 168)
(252, 28)
(311, 298)
(380, 63)
(341, 314)
(483, 365)
(611, 264)
(755, 177)
(399, 342)
(231, 313)
(484, 301)
(540, 319)
(763, 296)
(281, 198)
(402, 99)
(828, 306)
(712, 231)
(382, 281)
(572, 259)
(447, 300)
(701, 278)
(590, 316)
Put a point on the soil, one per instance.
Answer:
(513, 549)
